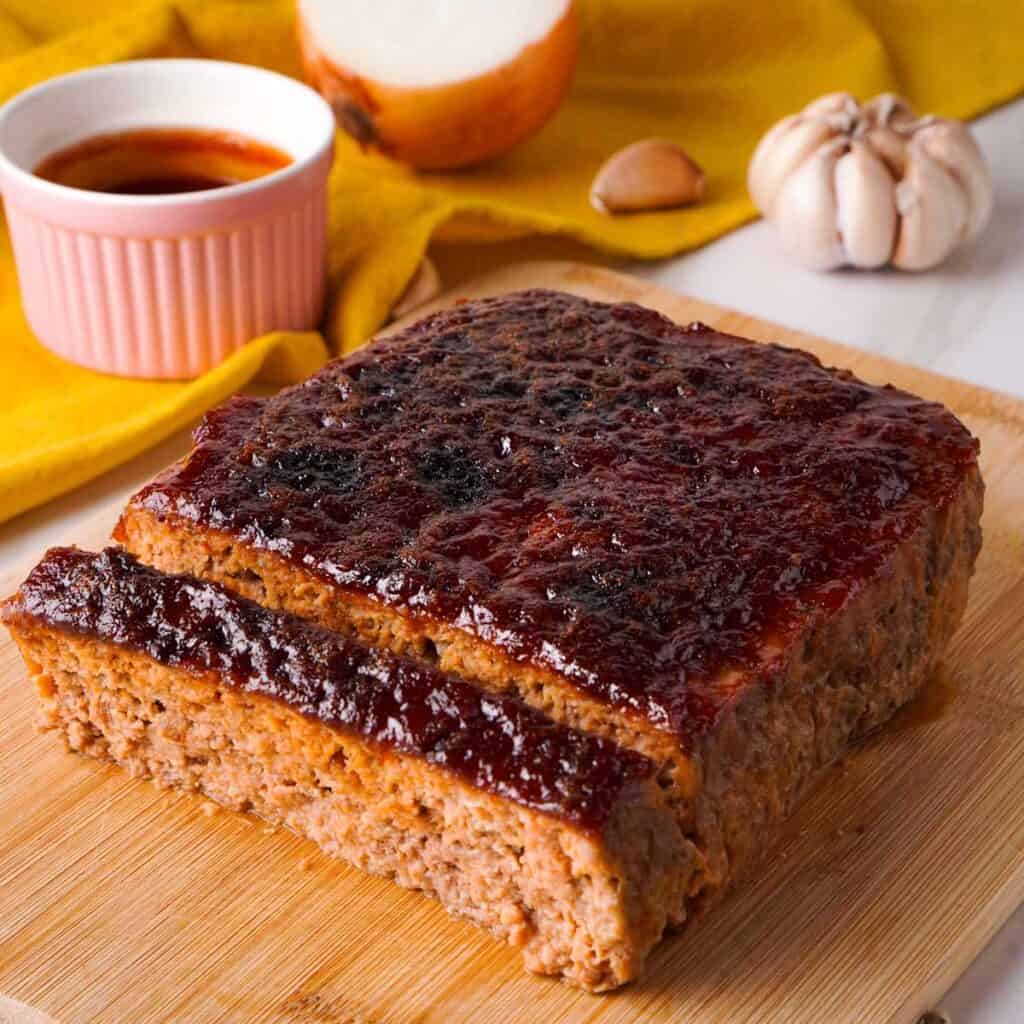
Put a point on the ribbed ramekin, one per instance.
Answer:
(167, 286)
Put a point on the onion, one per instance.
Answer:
(440, 84)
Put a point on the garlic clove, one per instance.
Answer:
(934, 212)
(424, 285)
(648, 175)
(865, 207)
(762, 177)
(891, 147)
(778, 155)
(953, 146)
(805, 210)
(831, 103)
(888, 109)
(839, 110)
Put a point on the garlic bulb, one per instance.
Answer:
(862, 185)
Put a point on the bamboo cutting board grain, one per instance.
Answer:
(123, 903)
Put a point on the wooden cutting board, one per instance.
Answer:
(123, 903)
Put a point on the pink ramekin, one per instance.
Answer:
(167, 286)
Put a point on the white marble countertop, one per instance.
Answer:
(965, 319)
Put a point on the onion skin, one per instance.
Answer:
(457, 124)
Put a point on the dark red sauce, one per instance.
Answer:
(161, 161)
(637, 505)
(168, 186)
(493, 742)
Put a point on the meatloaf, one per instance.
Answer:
(557, 841)
(718, 553)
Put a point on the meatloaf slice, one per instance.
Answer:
(720, 553)
(558, 842)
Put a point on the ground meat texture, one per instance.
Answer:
(553, 840)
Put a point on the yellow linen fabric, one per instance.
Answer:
(711, 74)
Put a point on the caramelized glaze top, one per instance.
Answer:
(640, 506)
(493, 742)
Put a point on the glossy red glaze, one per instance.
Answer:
(493, 742)
(637, 505)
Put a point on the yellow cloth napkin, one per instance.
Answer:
(711, 74)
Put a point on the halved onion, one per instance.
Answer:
(440, 83)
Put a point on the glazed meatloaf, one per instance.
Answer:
(557, 841)
(720, 554)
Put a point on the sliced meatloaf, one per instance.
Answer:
(556, 841)
(718, 553)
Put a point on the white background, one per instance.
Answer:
(965, 319)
